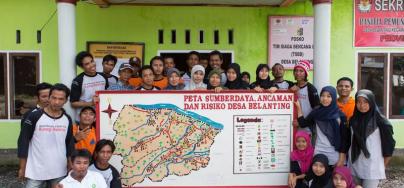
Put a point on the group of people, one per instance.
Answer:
(56, 153)
(342, 142)
(162, 74)
(339, 137)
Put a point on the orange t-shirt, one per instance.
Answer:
(347, 108)
(162, 83)
(89, 142)
(135, 82)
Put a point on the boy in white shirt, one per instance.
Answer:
(80, 176)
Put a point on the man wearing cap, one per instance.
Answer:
(125, 73)
(306, 92)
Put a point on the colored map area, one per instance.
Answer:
(158, 140)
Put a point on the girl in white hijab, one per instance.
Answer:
(196, 82)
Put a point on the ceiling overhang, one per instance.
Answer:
(247, 3)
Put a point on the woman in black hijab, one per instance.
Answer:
(263, 81)
(372, 140)
(234, 80)
(319, 175)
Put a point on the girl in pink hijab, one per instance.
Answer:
(342, 178)
(301, 159)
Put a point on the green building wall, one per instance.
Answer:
(141, 24)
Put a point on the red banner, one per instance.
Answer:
(379, 23)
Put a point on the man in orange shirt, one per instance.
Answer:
(157, 64)
(84, 133)
(345, 102)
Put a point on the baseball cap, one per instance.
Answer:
(125, 66)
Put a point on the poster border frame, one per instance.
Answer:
(293, 127)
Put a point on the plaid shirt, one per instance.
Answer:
(120, 86)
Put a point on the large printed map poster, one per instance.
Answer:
(191, 139)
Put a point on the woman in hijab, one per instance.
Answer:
(329, 126)
(342, 178)
(372, 141)
(215, 80)
(300, 158)
(245, 76)
(319, 175)
(234, 79)
(174, 78)
(196, 82)
(263, 81)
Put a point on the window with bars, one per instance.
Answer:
(375, 69)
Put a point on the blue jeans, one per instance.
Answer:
(30, 183)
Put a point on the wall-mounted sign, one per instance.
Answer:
(379, 23)
(122, 50)
(198, 139)
(290, 40)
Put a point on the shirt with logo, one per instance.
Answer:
(84, 87)
(46, 142)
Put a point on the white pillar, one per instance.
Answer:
(322, 40)
(67, 45)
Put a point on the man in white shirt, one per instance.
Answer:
(86, 84)
(80, 176)
(46, 141)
